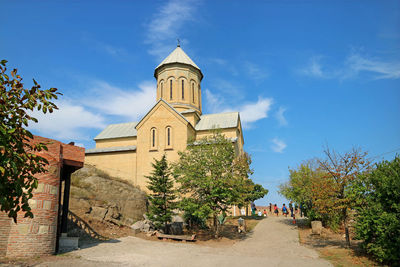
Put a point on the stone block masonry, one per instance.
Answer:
(38, 236)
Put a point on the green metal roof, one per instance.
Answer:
(218, 120)
(110, 149)
(178, 56)
(118, 131)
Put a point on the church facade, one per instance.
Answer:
(126, 150)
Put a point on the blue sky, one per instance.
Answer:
(303, 74)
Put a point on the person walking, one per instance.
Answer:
(253, 208)
(276, 211)
(270, 208)
(291, 208)
(296, 208)
(284, 210)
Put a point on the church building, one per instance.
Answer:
(126, 150)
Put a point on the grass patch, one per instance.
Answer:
(331, 246)
(345, 257)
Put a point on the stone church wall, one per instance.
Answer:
(116, 164)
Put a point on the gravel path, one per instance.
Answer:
(274, 242)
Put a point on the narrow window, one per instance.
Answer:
(169, 136)
(170, 89)
(199, 97)
(193, 92)
(183, 90)
(161, 90)
(153, 144)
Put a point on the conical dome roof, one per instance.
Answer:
(177, 56)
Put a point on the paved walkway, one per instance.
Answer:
(274, 242)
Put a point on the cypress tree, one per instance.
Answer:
(162, 194)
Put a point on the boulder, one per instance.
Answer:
(98, 213)
(137, 225)
(91, 187)
(177, 228)
(113, 214)
(177, 218)
(316, 227)
(146, 227)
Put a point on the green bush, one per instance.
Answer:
(378, 220)
(194, 214)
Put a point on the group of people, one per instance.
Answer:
(293, 208)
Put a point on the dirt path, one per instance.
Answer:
(274, 242)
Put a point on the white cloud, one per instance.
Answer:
(214, 101)
(167, 25)
(69, 122)
(249, 112)
(353, 65)
(79, 144)
(255, 72)
(129, 103)
(383, 70)
(76, 117)
(278, 145)
(253, 112)
(314, 68)
(280, 117)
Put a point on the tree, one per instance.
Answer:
(300, 186)
(19, 162)
(378, 219)
(162, 197)
(342, 170)
(209, 176)
(247, 191)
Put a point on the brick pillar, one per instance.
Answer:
(37, 236)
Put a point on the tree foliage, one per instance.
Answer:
(18, 160)
(342, 170)
(162, 194)
(378, 220)
(303, 188)
(211, 178)
(247, 190)
(323, 186)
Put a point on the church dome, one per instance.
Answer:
(177, 56)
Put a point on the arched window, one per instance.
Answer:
(193, 92)
(168, 137)
(153, 138)
(170, 89)
(199, 94)
(161, 90)
(183, 89)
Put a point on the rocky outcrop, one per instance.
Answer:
(175, 227)
(106, 198)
